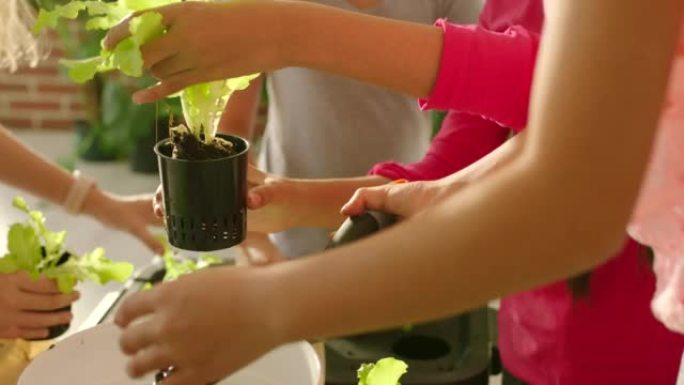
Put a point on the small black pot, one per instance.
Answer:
(205, 201)
(56, 330)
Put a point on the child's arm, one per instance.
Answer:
(277, 204)
(27, 170)
(478, 71)
(559, 208)
(261, 36)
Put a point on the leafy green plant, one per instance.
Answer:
(100, 133)
(202, 104)
(175, 268)
(41, 252)
(386, 371)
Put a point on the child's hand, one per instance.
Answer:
(206, 325)
(26, 306)
(209, 41)
(402, 199)
(271, 201)
(132, 214)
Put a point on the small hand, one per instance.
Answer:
(132, 214)
(206, 325)
(208, 41)
(270, 201)
(27, 307)
(402, 199)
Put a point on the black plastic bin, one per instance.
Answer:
(205, 201)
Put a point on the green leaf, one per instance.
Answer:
(24, 246)
(93, 266)
(21, 204)
(102, 22)
(49, 19)
(66, 283)
(386, 371)
(127, 58)
(8, 264)
(140, 5)
(24, 242)
(146, 27)
(81, 71)
(202, 104)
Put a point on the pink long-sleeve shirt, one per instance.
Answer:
(545, 335)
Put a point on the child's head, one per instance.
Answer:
(17, 43)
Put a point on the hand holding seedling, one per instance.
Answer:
(26, 306)
(205, 335)
(206, 41)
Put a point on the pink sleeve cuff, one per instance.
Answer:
(462, 140)
(485, 73)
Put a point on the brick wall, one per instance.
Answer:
(41, 97)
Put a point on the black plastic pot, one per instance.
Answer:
(56, 330)
(205, 201)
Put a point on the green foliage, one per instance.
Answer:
(33, 248)
(386, 371)
(202, 103)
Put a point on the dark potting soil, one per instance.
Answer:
(188, 147)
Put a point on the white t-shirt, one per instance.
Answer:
(322, 126)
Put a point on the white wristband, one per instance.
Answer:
(78, 193)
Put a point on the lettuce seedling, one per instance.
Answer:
(386, 371)
(175, 268)
(202, 104)
(33, 248)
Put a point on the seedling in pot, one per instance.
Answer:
(204, 176)
(33, 248)
(202, 104)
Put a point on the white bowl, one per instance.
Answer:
(92, 357)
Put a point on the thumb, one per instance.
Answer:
(368, 198)
(260, 196)
(255, 177)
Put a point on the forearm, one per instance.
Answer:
(29, 171)
(317, 202)
(404, 56)
(495, 160)
(557, 209)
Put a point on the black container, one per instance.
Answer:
(56, 330)
(453, 351)
(205, 201)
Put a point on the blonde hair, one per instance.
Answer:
(18, 45)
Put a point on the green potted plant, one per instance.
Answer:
(33, 248)
(203, 175)
(100, 135)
